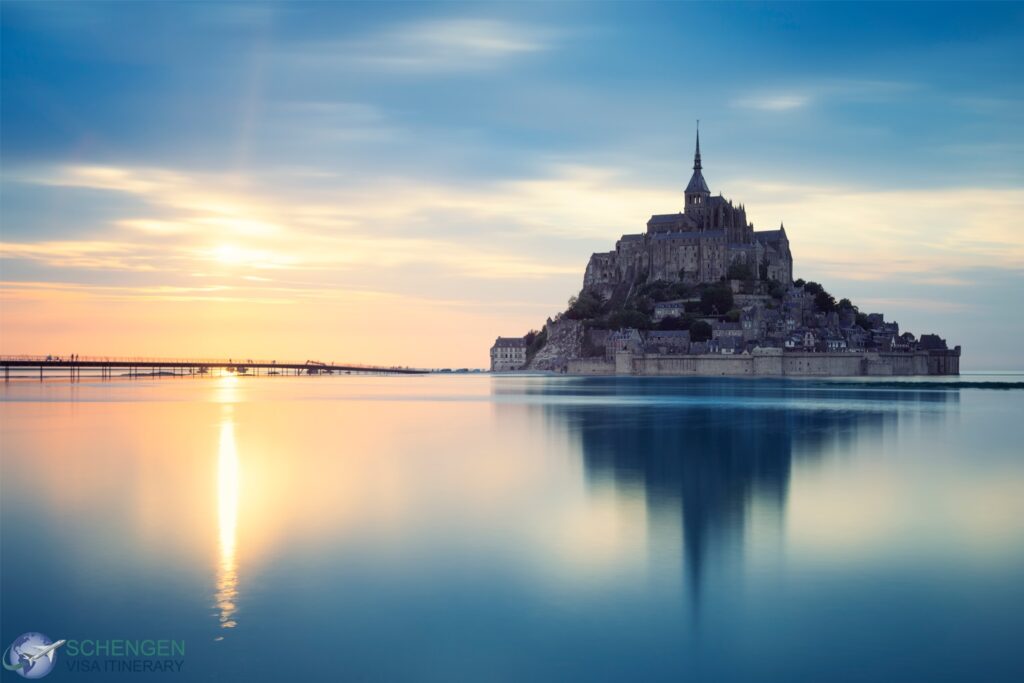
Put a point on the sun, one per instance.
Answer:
(229, 254)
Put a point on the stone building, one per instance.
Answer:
(628, 340)
(667, 342)
(507, 354)
(697, 244)
(668, 309)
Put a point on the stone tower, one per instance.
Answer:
(697, 192)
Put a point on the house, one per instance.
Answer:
(667, 342)
(730, 345)
(835, 343)
(721, 330)
(627, 339)
(856, 338)
(508, 353)
(904, 342)
(883, 340)
(668, 309)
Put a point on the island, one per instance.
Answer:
(702, 292)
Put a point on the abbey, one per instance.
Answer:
(703, 293)
(695, 245)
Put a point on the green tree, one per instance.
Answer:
(680, 290)
(700, 331)
(659, 290)
(535, 341)
(583, 307)
(799, 282)
(739, 270)
(673, 322)
(716, 299)
(644, 304)
(628, 318)
(824, 302)
(813, 288)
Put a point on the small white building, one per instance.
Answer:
(668, 309)
(507, 354)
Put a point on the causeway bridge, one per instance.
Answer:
(108, 367)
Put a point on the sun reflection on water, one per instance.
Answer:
(227, 495)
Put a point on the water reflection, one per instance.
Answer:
(716, 457)
(227, 501)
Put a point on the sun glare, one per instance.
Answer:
(228, 254)
(227, 495)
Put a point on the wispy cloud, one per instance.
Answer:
(774, 102)
(790, 97)
(199, 222)
(878, 234)
(919, 304)
(445, 45)
(870, 234)
(98, 254)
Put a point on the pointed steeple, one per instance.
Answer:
(697, 192)
(696, 155)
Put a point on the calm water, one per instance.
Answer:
(461, 528)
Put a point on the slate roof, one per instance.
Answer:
(768, 235)
(688, 235)
(509, 343)
(668, 334)
(697, 183)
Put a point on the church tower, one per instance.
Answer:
(697, 192)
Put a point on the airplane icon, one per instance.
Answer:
(35, 652)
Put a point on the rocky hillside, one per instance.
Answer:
(564, 342)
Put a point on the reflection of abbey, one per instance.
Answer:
(695, 245)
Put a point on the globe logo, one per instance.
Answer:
(32, 655)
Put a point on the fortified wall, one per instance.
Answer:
(775, 363)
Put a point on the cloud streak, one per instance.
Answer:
(790, 97)
(433, 46)
(776, 102)
(869, 234)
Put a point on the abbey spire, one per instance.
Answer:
(696, 155)
(697, 191)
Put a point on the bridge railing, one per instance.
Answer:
(149, 360)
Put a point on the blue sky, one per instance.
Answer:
(202, 167)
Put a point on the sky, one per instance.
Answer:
(401, 183)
